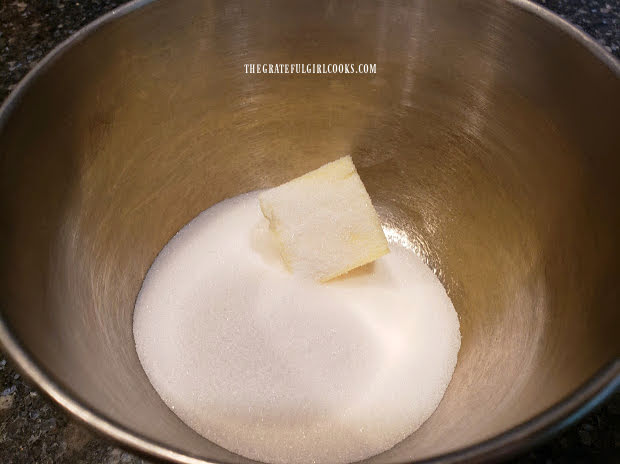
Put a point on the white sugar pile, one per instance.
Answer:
(278, 368)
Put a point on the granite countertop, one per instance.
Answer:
(34, 429)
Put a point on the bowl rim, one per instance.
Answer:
(515, 439)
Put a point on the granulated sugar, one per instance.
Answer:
(278, 368)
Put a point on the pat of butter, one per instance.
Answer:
(324, 221)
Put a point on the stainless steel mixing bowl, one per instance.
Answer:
(489, 134)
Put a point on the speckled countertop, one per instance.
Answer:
(33, 429)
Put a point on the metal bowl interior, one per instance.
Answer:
(488, 135)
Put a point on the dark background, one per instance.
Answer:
(33, 429)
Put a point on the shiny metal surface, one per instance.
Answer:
(489, 135)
